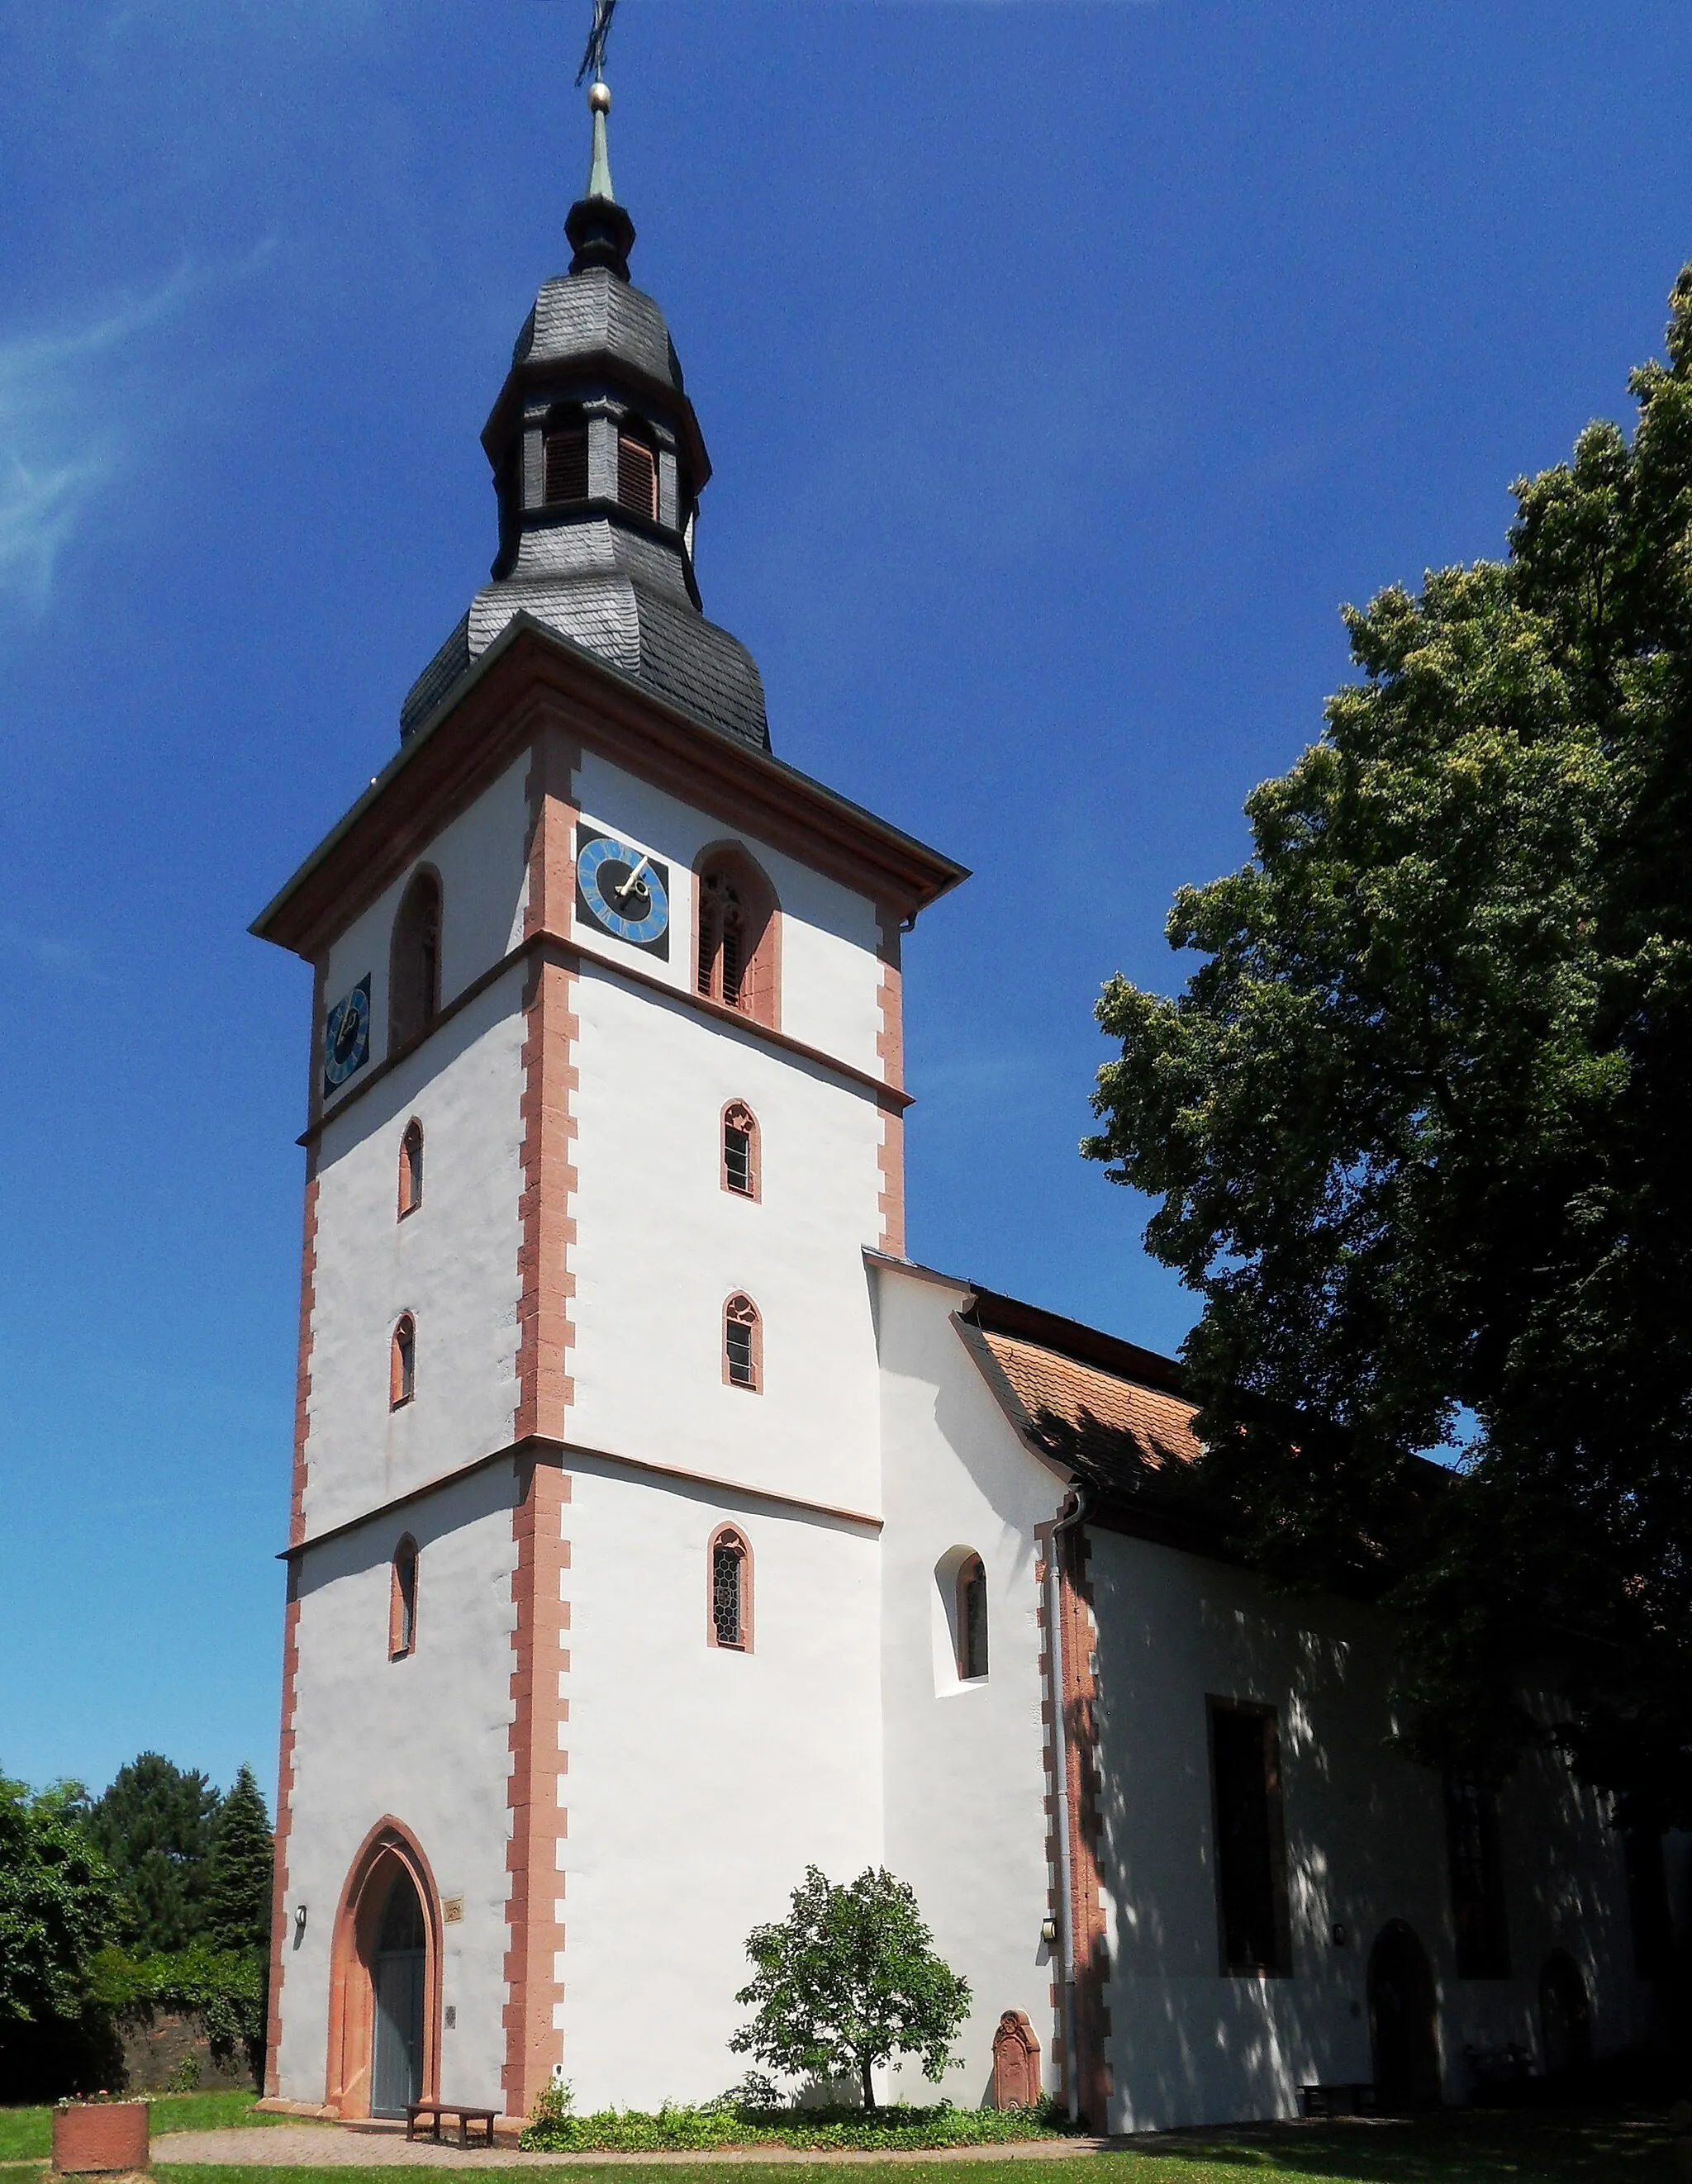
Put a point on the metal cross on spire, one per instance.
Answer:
(593, 58)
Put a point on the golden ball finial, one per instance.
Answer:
(598, 98)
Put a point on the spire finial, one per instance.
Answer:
(601, 232)
(599, 167)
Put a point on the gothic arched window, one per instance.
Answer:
(740, 1149)
(737, 961)
(972, 1619)
(411, 1169)
(564, 453)
(742, 1344)
(413, 962)
(402, 1368)
(402, 1604)
(730, 1573)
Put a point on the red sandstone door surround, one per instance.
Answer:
(388, 1851)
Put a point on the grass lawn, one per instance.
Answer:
(1504, 2148)
(26, 2134)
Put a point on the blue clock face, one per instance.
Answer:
(346, 1036)
(625, 893)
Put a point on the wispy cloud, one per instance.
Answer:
(64, 439)
(63, 958)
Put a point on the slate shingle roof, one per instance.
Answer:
(592, 313)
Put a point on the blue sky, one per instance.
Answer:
(1063, 366)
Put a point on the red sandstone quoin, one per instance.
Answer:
(103, 2137)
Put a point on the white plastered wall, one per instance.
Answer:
(660, 1246)
(702, 1781)
(1364, 1835)
(965, 1763)
(452, 1264)
(481, 856)
(831, 978)
(425, 1741)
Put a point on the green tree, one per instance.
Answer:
(153, 1826)
(58, 1898)
(238, 1871)
(847, 1981)
(1417, 1126)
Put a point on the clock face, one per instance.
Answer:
(346, 1036)
(623, 891)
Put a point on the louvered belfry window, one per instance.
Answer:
(637, 476)
(722, 941)
(566, 463)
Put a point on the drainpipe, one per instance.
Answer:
(1071, 1513)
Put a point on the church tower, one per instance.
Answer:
(605, 1111)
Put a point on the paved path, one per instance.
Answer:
(327, 2146)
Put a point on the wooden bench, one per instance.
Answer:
(434, 2110)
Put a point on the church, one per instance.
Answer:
(661, 1527)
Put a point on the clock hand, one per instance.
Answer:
(632, 881)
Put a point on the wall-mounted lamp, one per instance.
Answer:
(299, 1924)
(1048, 1931)
(1339, 1935)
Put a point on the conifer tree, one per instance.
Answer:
(153, 1827)
(239, 1871)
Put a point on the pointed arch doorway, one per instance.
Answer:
(397, 1977)
(384, 1987)
(1403, 2020)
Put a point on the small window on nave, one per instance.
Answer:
(742, 1344)
(730, 1578)
(740, 1149)
(411, 1169)
(402, 1377)
(972, 1620)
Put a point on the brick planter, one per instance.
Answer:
(105, 2136)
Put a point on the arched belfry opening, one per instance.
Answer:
(384, 1989)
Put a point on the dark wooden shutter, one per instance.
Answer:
(567, 464)
(637, 477)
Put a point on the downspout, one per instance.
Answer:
(1072, 1510)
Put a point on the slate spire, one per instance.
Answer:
(598, 464)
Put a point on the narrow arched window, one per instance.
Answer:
(740, 1149)
(742, 1344)
(564, 449)
(637, 476)
(411, 1169)
(736, 959)
(414, 963)
(402, 1375)
(402, 1604)
(972, 1619)
(730, 1577)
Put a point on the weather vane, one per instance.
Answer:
(593, 60)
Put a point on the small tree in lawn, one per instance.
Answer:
(848, 1979)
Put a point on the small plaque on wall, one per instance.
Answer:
(452, 1910)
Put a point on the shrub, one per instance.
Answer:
(555, 2128)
